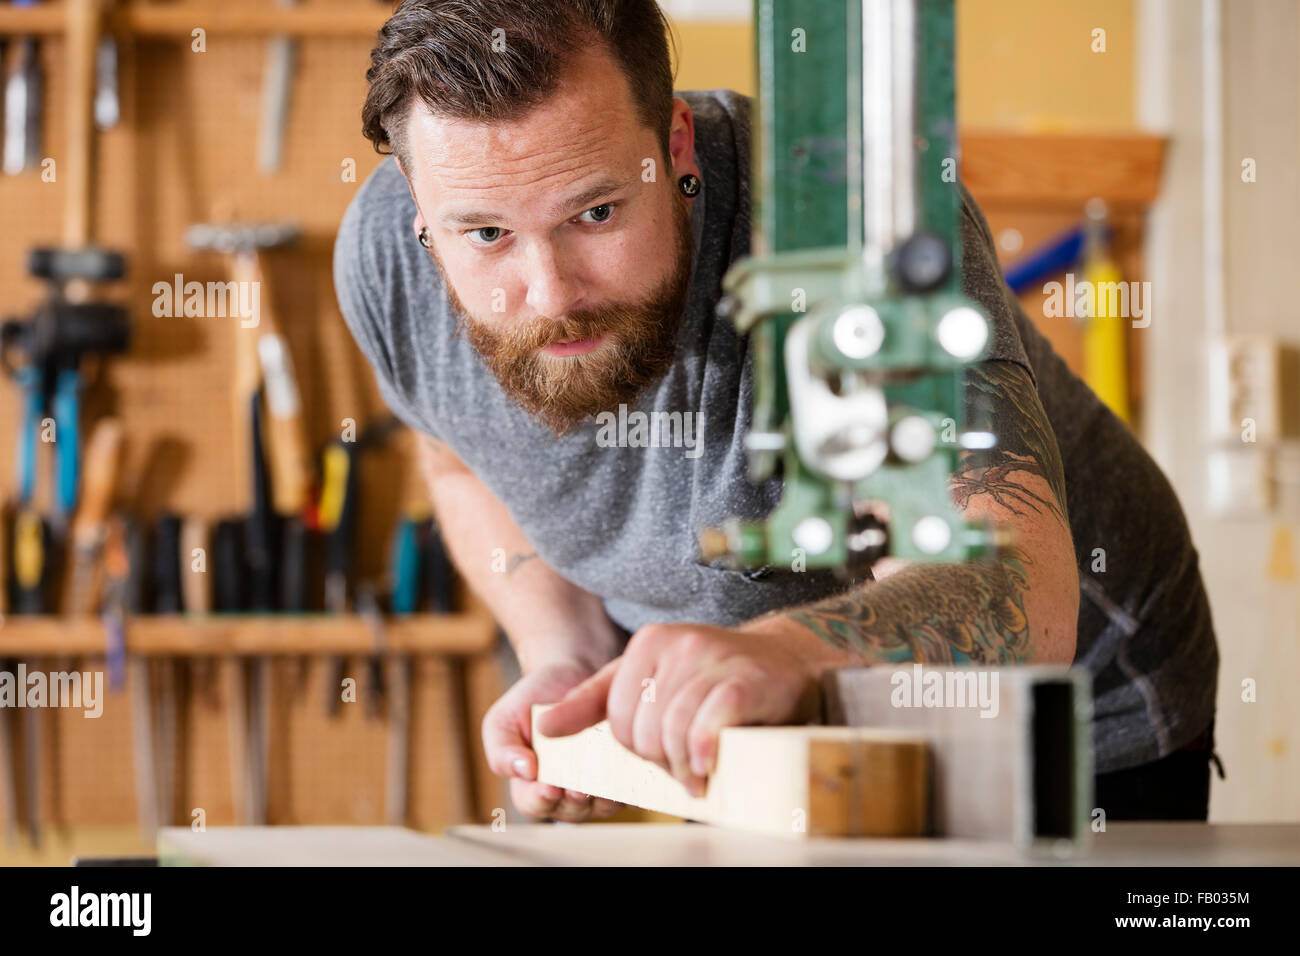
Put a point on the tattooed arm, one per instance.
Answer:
(1018, 607)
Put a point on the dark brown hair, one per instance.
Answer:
(496, 59)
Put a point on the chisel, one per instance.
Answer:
(228, 596)
(8, 772)
(336, 513)
(107, 106)
(22, 145)
(259, 549)
(275, 106)
(405, 581)
(337, 520)
(31, 574)
(168, 672)
(99, 483)
(196, 598)
(438, 580)
(125, 568)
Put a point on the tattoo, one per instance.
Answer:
(1001, 398)
(518, 559)
(963, 613)
(933, 614)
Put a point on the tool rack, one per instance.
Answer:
(184, 151)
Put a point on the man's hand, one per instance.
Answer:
(677, 685)
(507, 739)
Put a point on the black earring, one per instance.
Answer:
(426, 239)
(689, 185)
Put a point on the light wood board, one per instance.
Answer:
(784, 781)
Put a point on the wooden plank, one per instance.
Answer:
(178, 19)
(1123, 169)
(785, 781)
(217, 635)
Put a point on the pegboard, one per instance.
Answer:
(185, 152)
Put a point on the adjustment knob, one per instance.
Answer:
(922, 263)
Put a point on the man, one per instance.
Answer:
(549, 245)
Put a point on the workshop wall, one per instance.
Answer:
(184, 152)
(1223, 245)
(999, 43)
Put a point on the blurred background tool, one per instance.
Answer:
(1105, 358)
(8, 770)
(275, 100)
(258, 348)
(196, 598)
(90, 528)
(23, 94)
(54, 341)
(404, 579)
(108, 106)
(229, 596)
(337, 515)
(32, 575)
(169, 673)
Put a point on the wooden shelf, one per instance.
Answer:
(41, 19)
(1023, 168)
(179, 19)
(293, 635)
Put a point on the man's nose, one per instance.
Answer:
(552, 290)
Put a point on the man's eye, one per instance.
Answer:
(599, 213)
(485, 236)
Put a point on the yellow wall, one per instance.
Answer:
(1024, 64)
(1028, 64)
(715, 55)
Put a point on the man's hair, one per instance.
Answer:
(496, 59)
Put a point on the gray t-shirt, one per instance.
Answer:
(621, 522)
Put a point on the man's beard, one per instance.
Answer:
(562, 391)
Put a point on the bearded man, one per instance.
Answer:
(547, 244)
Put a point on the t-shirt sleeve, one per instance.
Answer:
(982, 281)
(359, 277)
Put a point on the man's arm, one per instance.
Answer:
(1019, 607)
(560, 633)
(548, 619)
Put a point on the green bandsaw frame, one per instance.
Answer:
(807, 239)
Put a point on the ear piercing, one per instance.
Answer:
(426, 239)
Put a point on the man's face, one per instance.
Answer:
(564, 244)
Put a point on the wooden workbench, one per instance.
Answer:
(650, 844)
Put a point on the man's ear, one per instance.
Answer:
(681, 140)
(419, 222)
